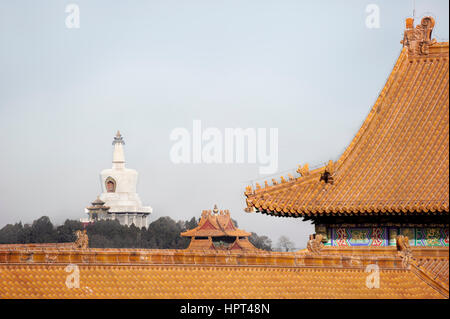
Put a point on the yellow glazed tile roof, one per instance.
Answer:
(42, 272)
(397, 162)
(206, 282)
(436, 268)
(215, 223)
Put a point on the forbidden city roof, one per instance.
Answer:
(28, 271)
(215, 224)
(398, 160)
(218, 224)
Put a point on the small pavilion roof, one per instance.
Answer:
(215, 223)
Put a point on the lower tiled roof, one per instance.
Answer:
(187, 282)
(436, 271)
(41, 272)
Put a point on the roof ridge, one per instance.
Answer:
(427, 277)
(388, 154)
(373, 111)
(415, 264)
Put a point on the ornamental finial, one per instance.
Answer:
(418, 39)
(118, 138)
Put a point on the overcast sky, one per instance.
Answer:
(312, 69)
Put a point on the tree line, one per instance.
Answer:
(163, 233)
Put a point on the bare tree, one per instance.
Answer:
(285, 244)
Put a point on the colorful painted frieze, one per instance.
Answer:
(386, 236)
(431, 237)
(359, 236)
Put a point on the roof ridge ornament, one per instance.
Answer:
(303, 171)
(404, 250)
(315, 244)
(327, 175)
(418, 39)
(82, 241)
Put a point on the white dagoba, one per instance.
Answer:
(119, 191)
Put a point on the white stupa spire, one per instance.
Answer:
(119, 191)
(118, 154)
